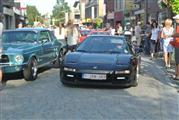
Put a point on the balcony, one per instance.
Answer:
(8, 3)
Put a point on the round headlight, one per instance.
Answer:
(19, 59)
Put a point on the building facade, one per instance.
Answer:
(12, 14)
(7, 11)
(147, 10)
(95, 9)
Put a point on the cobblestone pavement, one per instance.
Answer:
(155, 98)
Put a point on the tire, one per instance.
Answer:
(59, 59)
(30, 71)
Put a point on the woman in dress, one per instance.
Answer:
(166, 34)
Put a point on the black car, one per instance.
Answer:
(101, 60)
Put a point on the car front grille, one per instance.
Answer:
(4, 59)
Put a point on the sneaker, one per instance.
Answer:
(169, 66)
(176, 78)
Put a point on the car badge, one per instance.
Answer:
(95, 67)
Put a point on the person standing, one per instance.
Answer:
(166, 34)
(119, 29)
(175, 44)
(20, 25)
(1, 30)
(72, 36)
(60, 32)
(154, 38)
(147, 38)
(137, 33)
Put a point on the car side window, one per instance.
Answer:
(44, 36)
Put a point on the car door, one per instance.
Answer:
(47, 46)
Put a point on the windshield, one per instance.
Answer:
(19, 36)
(100, 33)
(84, 33)
(104, 44)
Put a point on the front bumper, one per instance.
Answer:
(112, 79)
(11, 68)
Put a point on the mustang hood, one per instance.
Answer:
(16, 47)
(101, 61)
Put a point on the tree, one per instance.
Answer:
(33, 15)
(98, 22)
(59, 10)
(173, 5)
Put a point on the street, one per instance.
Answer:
(155, 98)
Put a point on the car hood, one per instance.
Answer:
(97, 60)
(16, 47)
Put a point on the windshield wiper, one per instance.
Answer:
(113, 52)
(81, 51)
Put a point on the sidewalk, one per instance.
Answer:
(169, 71)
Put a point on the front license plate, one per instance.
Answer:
(94, 76)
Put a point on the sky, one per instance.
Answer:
(45, 6)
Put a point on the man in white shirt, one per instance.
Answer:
(1, 29)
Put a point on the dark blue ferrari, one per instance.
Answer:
(101, 60)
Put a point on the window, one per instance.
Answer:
(44, 36)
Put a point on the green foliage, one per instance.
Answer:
(59, 10)
(33, 14)
(171, 4)
(98, 22)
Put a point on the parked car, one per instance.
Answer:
(27, 49)
(101, 60)
(83, 34)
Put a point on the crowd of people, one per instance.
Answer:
(163, 38)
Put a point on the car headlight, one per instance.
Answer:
(122, 72)
(69, 69)
(19, 59)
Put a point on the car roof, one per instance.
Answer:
(26, 29)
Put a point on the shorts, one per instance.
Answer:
(177, 55)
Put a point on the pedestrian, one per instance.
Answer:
(128, 30)
(147, 38)
(161, 26)
(138, 33)
(175, 44)
(108, 28)
(166, 34)
(72, 36)
(1, 30)
(60, 32)
(20, 25)
(154, 38)
(119, 29)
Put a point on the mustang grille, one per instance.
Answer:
(4, 59)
